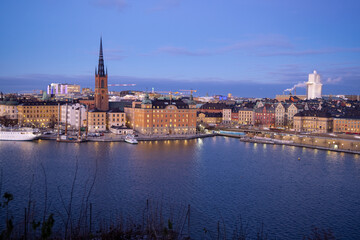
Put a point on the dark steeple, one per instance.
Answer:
(101, 69)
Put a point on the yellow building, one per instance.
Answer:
(347, 124)
(38, 114)
(313, 121)
(246, 116)
(209, 118)
(97, 121)
(159, 117)
(8, 109)
(116, 118)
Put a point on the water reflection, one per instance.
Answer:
(229, 178)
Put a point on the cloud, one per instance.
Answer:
(309, 52)
(257, 44)
(117, 4)
(333, 80)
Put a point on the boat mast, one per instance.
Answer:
(66, 120)
(58, 126)
(79, 136)
(87, 120)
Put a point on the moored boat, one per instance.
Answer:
(130, 139)
(18, 134)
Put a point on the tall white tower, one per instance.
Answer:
(314, 86)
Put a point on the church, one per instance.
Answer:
(100, 117)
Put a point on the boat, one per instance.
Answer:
(18, 134)
(130, 139)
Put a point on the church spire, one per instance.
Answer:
(101, 69)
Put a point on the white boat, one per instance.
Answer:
(18, 134)
(130, 139)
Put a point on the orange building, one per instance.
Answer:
(162, 117)
(38, 114)
(347, 124)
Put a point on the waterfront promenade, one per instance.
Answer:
(331, 142)
(345, 144)
(111, 137)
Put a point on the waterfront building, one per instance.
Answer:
(116, 118)
(235, 115)
(280, 114)
(313, 121)
(314, 86)
(210, 119)
(8, 109)
(291, 111)
(160, 117)
(101, 84)
(246, 116)
(347, 124)
(72, 111)
(38, 114)
(97, 120)
(265, 116)
(226, 115)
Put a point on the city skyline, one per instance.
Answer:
(248, 49)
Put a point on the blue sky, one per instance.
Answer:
(244, 47)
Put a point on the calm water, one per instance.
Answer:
(222, 178)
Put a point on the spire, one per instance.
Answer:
(101, 71)
(101, 51)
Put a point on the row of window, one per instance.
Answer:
(117, 119)
(37, 115)
(39, 111)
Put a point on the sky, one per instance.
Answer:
(250, 48)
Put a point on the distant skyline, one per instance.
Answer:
(248, 48)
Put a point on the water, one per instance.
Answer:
(222, 179)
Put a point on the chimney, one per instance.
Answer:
(294, 91)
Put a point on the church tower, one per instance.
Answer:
(101, 84)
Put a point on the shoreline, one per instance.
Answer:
(241, 138)
(121, 138)
(261, 141)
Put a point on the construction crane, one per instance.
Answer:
(191, 91)
(170, 93)
(122, 85)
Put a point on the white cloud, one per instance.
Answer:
(333, 80)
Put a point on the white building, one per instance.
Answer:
(62, 89)
(73, 111)
(226, 116)
(314, 86)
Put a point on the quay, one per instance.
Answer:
(110, 137)
(336, 143)
(315, 141)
